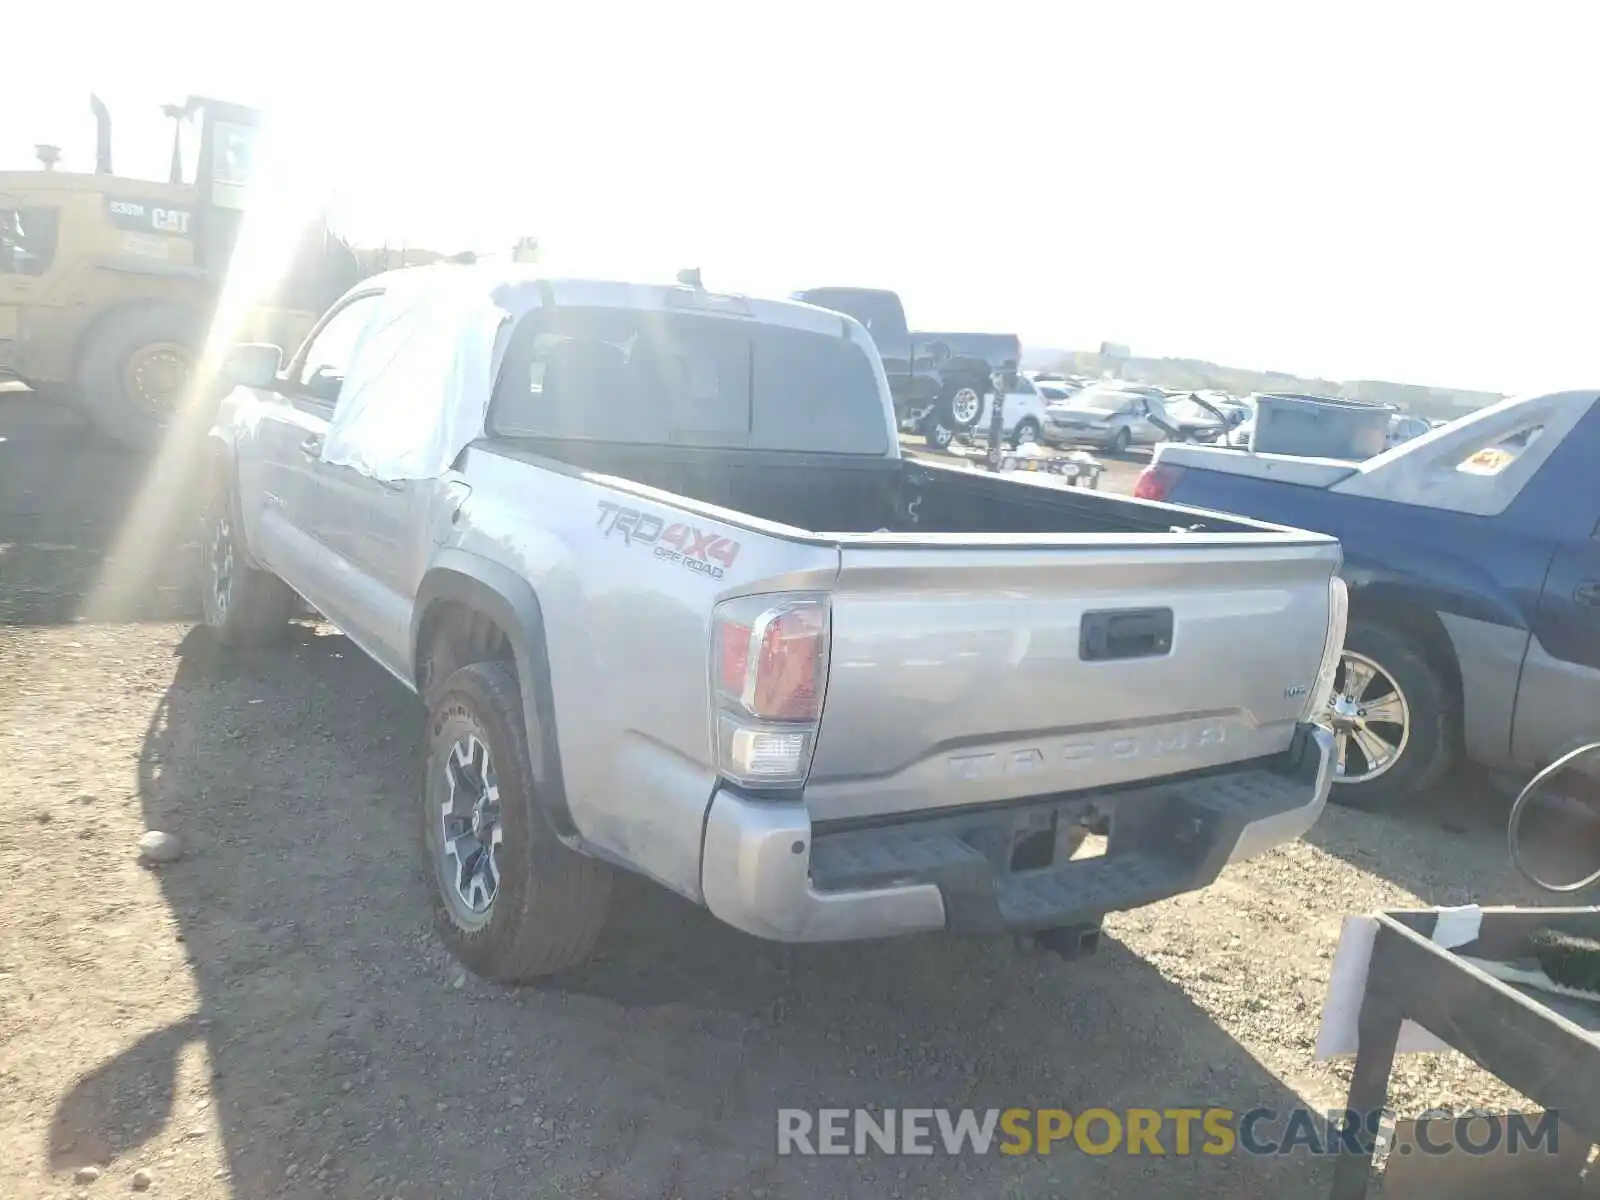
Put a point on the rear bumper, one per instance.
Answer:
(767, 871)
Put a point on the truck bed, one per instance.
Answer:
(1025, 639)
(846, 494)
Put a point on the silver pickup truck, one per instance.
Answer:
(676, 605)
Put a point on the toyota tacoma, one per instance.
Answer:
(675, 605)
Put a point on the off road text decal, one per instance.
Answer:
(693, 549)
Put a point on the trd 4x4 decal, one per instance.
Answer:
(675, 542)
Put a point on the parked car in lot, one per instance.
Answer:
(1022, 414)
(1472, 554)
(1112, 416)
(1196, 417)
(1234, 410)
(1056, 389)
(583, 521)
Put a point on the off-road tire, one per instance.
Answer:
(945, 409)
(101, 387)
(939, 436)
(258, 604)
(550, 906)
(1433, 744)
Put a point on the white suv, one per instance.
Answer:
(1022, 416)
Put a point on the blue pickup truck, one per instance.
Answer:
(1472, 555)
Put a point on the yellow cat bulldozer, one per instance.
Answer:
(109, 285)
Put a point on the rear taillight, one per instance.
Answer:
(1156, 481)
(770, 667)
(1332, 649)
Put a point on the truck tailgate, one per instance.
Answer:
(963, 675)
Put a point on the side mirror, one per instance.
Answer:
(254, 365)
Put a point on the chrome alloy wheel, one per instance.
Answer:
(470, 833)
(965, 405)
(1370, 719)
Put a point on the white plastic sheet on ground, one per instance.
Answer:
(1347, 982)
(418, 384)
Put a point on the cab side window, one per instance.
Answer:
(27, 240)
(325, 360)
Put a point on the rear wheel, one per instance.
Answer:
(511, 902)
(939, 436)
(135, 371)
(1027, 431)
(1393, 717)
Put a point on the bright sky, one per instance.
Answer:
(1388, 190)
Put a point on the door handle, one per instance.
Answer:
(1125, 633)
(312, 446)
(1588, 593)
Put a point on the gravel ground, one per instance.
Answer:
(271, 1016)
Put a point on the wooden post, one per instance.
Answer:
(1378, 1031)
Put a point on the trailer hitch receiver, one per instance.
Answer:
(1071, 942)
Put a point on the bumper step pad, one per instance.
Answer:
(1164, 840)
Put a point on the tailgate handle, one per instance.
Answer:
(1125, 633)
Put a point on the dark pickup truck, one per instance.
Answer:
(1472, 555)
(938, 380)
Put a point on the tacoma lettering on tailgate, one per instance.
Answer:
(676, 542)
(1067, 755)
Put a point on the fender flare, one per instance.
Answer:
(1456, 596)
(510, 601)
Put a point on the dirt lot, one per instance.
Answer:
(271, 1016)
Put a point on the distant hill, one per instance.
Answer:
(1432, 402)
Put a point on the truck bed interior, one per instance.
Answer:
(864, 494)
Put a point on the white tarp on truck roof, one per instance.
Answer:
(423, 369)
(432, 333)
